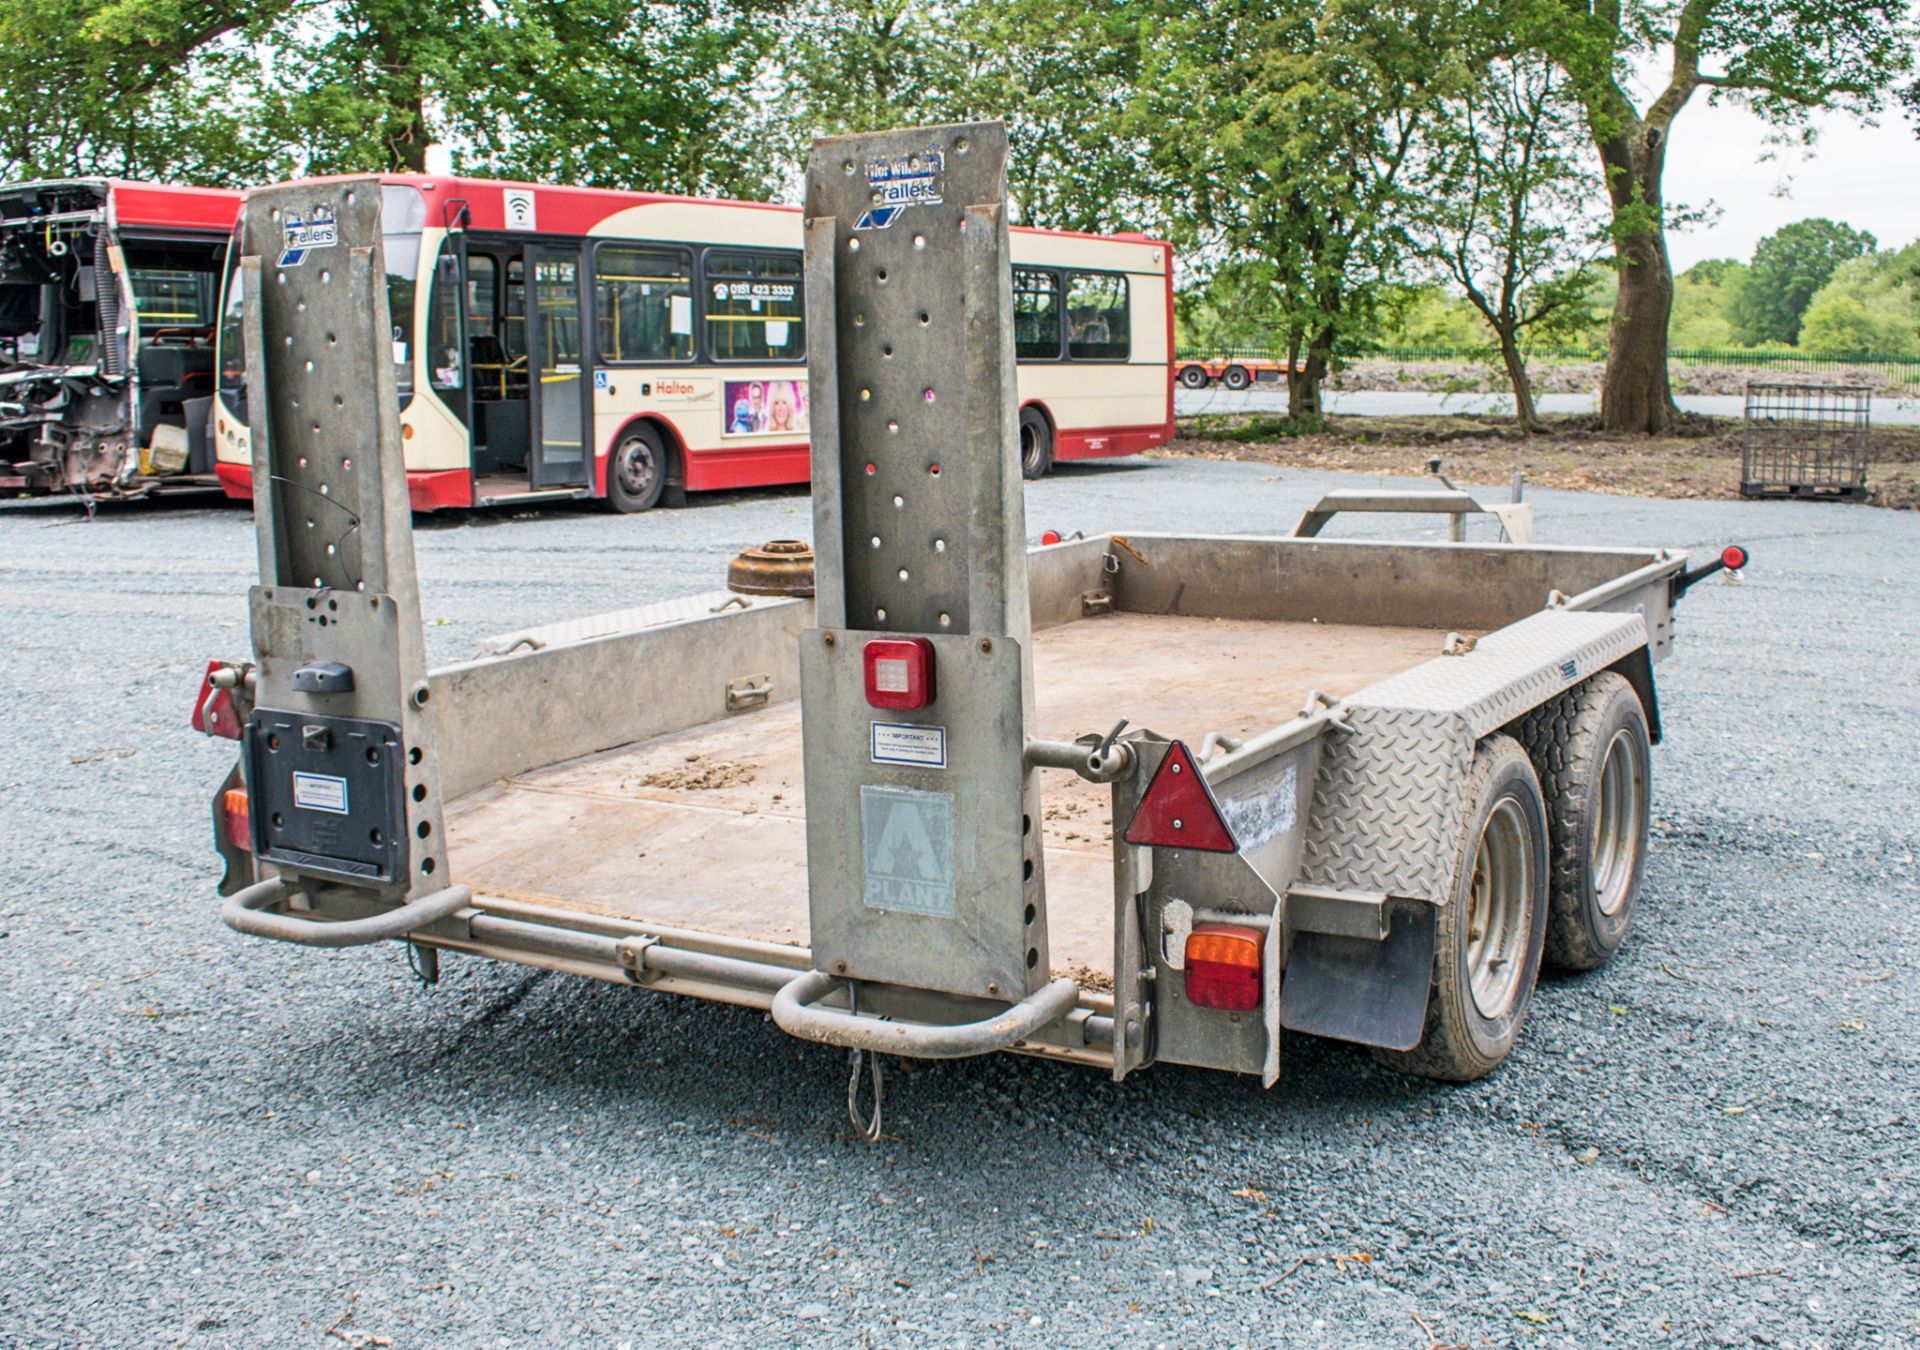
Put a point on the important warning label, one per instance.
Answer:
(907, 839)
(320, 792)
(899, 743)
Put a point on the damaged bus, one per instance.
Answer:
(108, 301)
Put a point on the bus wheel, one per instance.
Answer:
(1036, 444)
(637, 471)
(1194, 377)
(1488, 936)
(1237, 377)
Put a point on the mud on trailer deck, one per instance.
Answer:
(1355, 790)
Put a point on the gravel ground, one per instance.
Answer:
(211, 1140)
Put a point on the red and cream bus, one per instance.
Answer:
(580, 342)
(107, 308)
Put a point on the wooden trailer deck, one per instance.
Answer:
(705, 828)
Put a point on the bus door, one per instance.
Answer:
(559, 390)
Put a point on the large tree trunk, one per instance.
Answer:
(1636, 395)
(1304, 378)
(1303, 388)
(1523, 409)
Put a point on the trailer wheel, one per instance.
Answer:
(1036, 444)
(637, 470)
(1487, 937)
(1193, 377)
(1236, 377)
(1591, 749)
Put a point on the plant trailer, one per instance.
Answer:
(1122, 800)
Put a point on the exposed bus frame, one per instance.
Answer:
(82, 426)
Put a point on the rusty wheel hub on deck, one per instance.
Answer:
(777, 567)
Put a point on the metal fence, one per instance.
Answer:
(1889, 370)
(1805, 440)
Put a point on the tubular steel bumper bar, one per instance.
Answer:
(249, 911)
(795, 1013)
(641, 956)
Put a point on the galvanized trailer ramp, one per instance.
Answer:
(836, 809)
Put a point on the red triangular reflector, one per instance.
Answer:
(1178, 810)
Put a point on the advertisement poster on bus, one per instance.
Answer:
(765, 408)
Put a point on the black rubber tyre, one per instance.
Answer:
(1502, 887)
(1236, 377)
(1193, 377)
(1598, 824)
(637, 471)
(1036, 443)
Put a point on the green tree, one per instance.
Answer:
(1501, 214)
(1780, 58)
(1287, 133)
(1061, 77)
(129, 88)
(1702, 296)
(1235, 310)
(600, 91)
(1788, 266)
(1870, 307)
(1428, 314)
(865, 65)
(666, 97)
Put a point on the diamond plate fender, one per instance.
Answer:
(1388, 801)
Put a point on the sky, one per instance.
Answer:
(1866, 177)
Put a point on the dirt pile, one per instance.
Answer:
(1701, 459)
(1467, 378)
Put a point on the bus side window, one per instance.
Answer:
(446, 347)
(753, 306)
(1036, 315)
(1097, 313)
(643, 300)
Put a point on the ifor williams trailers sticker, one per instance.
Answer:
(301, 235)
(898, 182)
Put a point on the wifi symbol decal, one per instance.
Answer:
(518, 203)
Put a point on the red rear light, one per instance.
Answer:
(1223, 967)
(899, 672)
(213, 712)
(236, 819)
(1178, 810)
(1734, 557)
(1050, 538)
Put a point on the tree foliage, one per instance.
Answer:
(1703, 296)
(593, 91)
(90, 88)
(1311, 159)
(1780, 58)
(1288, 133)
(1499, 210)
(1788, 266)
(1870, 306)
(1062, 78)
